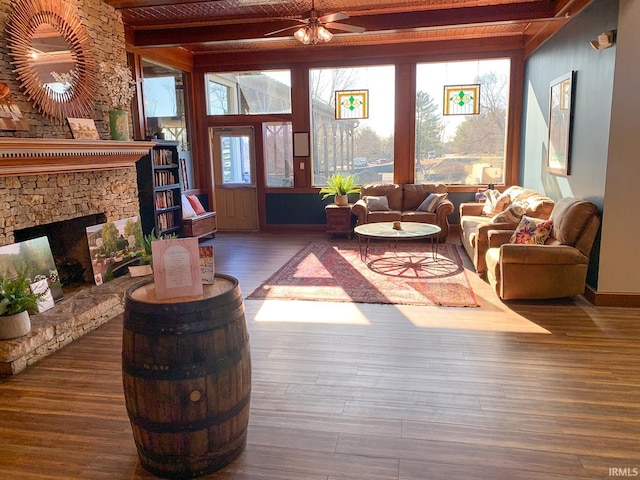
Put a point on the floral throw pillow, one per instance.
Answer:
(531, 231)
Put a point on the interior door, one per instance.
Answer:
(236, 197)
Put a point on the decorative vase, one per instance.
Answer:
(341, 200)
(14, 326)
(119, 124)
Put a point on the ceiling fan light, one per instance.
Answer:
(324, 35)
(300, 34)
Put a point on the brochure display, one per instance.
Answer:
(176, 268)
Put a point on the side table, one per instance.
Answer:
(339, 219)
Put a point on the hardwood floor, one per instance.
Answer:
(518, 391)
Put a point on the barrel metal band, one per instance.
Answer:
(182, 466)
(149, 325)
(193, 426)
(191, 371)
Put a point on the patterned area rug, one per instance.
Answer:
(407, 274)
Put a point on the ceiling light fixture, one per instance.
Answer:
(313, 33)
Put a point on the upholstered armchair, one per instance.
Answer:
(557, 268)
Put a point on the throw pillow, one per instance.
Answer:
(512, 214)
(495, 202)
(195, 203)
(531, 231)
(432, 201)
(187, 209)
(376, 204)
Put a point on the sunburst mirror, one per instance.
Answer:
(52, 57)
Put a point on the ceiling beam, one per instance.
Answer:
(167, 36)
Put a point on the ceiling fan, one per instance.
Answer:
(316, 29)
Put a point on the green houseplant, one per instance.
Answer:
(16, 302)
(340, 186)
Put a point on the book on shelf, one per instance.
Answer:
(162, 157)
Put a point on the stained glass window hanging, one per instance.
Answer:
(352, 104)
(462, 99)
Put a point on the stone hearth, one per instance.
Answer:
(75, 315)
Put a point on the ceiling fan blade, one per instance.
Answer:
(282, 30)
(345, 27)
(332, 17)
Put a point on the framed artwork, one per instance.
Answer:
(352, 104)
(83, 128)
(561, 93)
(34, 255)
(114, 247)
(461, 99)
(301, 144)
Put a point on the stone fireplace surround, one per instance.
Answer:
(47, 180)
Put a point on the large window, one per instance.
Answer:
(461, 148)
(362, 146)
(249, 93)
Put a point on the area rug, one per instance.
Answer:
(409, 273)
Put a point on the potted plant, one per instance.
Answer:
(340, 186)
(16, 302)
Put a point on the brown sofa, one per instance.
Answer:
(403, 202)
(474, 225)
(553, 270)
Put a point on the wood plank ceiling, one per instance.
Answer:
(239, 26)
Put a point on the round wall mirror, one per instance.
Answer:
(52, 55)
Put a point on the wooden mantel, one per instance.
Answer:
(33, 156)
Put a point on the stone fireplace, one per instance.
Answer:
(46, 181)
(47, 185)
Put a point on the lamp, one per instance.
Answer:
(313, 33)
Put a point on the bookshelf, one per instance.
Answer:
(159, 190)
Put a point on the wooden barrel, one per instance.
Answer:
(186, 371)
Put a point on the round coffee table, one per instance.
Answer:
(385, 231)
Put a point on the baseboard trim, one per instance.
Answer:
(598, 299)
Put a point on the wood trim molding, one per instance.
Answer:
(33, 156)
(626, 300)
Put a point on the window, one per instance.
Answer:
(461, 149)
(164, 111)
(236, 159)
(364, 146)
(278, 155)
(248, 93)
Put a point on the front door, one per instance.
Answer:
(236, 198)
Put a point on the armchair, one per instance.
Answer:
(553, 270)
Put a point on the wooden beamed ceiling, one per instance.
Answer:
(215, 27)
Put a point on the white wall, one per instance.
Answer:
(619, 270)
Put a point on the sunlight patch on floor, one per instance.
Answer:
(299, 311)
(344, 313)
(468, 319)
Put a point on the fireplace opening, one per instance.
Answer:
(69, 246)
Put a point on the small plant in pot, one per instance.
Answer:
(16, 302)
(340, 185)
